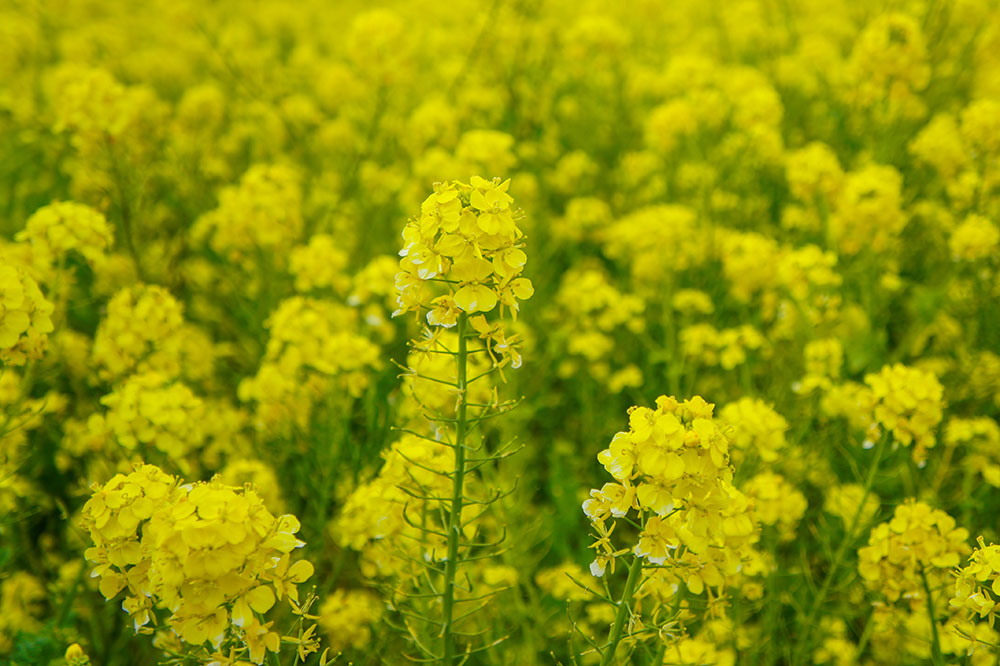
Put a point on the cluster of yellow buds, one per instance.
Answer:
(844, 501)
(808, 268)
(96, 109)
(466, 244)
(974, 239)
(888, 68)
(823, 360)
(869, 212)
(749, 263)
(25, 317)
(977, 586)
(313, 344)
(210, 555)
(346, 617)
(262, 213)
(151, 410)
(57, 229)
(590, 311)
(980, 441)
(75, 656)
(22, 607)
(140, 331)
(672, 469)
(917, 543)
(656, 242)
(726, 348)
(907, 402)
(776, 502)
(814, 174)
(757, 427)
(319, 264)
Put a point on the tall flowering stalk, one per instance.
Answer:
(461, 268)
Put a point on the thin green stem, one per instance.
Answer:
(936, 654)
(805, 630)
(457, 498)
(617, 629)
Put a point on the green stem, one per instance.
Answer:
(615, 635)
(803, 640)
(936, 654)
(457, 497)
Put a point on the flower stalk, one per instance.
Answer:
(936, 655)
(454, 530)
(624, 609)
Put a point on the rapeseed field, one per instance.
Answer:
(499, 333)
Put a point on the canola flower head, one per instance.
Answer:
(60, 228)
(25, 317)
(869, 213)
(320, 264)
(979, 440)
(908, 403)
(22, 599)
(980, 127)
(151, 412)
(814, 173)
(889, 65)
(262, 213)
(463, 255)
(776, 502)
(756, 427)
(823, 360)
(975, 239)
(727, 348)
(843, 501)
(591, 311)
(919, 541)
(314, 345)
(141, 330)
(655, 242)
(75, 656)
(671, 469)
(210, 555)
(977, 584)
(346, 617)
(940, 144)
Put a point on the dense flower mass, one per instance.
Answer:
(347, 615)
(25, 317)
(977, 587)
(672, 469)
(262, 213)
(210, 555)
(399, 269)
(314, 345)
(149, 410)
(918, 543)
(467, 237)
(139, 331)
(907, 402)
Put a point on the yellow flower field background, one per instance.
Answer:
(527, 332)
